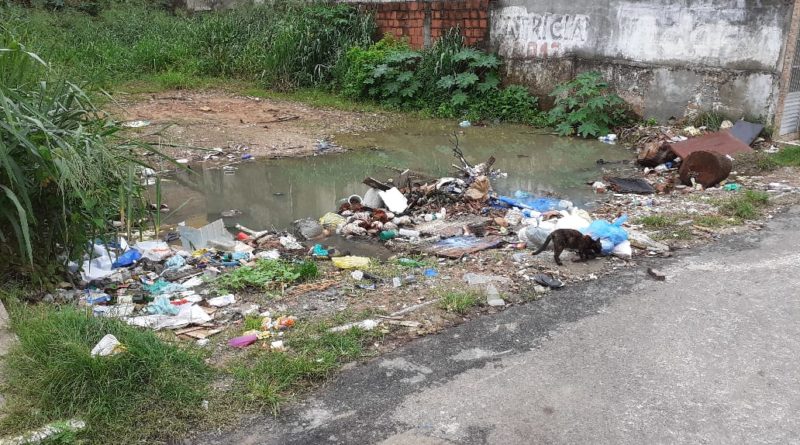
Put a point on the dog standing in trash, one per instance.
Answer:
(586, 246)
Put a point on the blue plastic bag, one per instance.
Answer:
(525, 200)
(127, 258)
(609, 234)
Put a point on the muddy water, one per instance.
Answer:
(272, 193)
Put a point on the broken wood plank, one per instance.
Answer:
(374, 183)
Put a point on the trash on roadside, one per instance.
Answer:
(394, 200)
(458, 246)
(599, 187)
(214, 233)
(705, 168)
(243, 341)
(465, 124)
(222, 301)
(746, 132)
(609, 234)
(630, 185)
(732, 187)
(721, 142)
(357, 275)
(350, 262)
(656, 274)
(108, 345)
(644, 242)
(367, 325)
(548, 281)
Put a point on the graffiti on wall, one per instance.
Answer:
(523, 34)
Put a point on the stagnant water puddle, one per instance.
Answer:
(273, 193)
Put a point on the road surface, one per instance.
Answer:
(712, 355)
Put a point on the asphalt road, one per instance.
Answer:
(712, 355)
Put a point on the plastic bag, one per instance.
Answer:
(573, 222)
(350, 262)
(610, 234)
(535, 235)
(332, 221)
(127, 258)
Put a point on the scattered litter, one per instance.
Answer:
(350, 262)
(366, 325)
(656, 274)
(357, 275)
(222, 301)
(630, 185)
(108, 345)
(136, 124)
(732, 187)
(458, 246)
(547, 280)
(705, 168)
(193, 239)
(243, 341)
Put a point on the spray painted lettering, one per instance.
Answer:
(523, 34)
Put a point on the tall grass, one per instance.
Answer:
(152, 391)
(284, 44)
(60, 180)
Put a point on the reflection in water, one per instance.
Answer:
(272, 193)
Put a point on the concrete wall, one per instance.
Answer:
(667, 58)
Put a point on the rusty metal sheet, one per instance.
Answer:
(721, 142)
(458, 246)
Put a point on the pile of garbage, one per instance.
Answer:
(688, 159)
(155, 285)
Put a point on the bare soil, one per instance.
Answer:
(183, 123)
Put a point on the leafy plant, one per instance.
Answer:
(61, 180)
(266, 273)
(586, 107)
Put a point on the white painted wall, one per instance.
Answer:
(705, 33)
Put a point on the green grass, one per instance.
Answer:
(151, 392)
(714, 221)
(281, 45)
(266, 273)
(316, 98)
(788, 156)
(459, 302)
(656, 221)
(264, 380)
(745, 205)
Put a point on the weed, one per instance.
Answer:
(755, 162)
(713, 221)
(61, 177)
(709, 119)
(150, 392)
(586, 107)
(656, 221)
(265, 379)
(266, 273)
(745, 205)
(459, 301)
(788, 156)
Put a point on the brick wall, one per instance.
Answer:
(422, 22)
(471, 16)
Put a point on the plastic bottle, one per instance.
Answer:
(386, 235)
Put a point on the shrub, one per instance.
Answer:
(586, 106)
(61, 182)
(447, 80)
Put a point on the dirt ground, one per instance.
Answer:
(186, 124)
